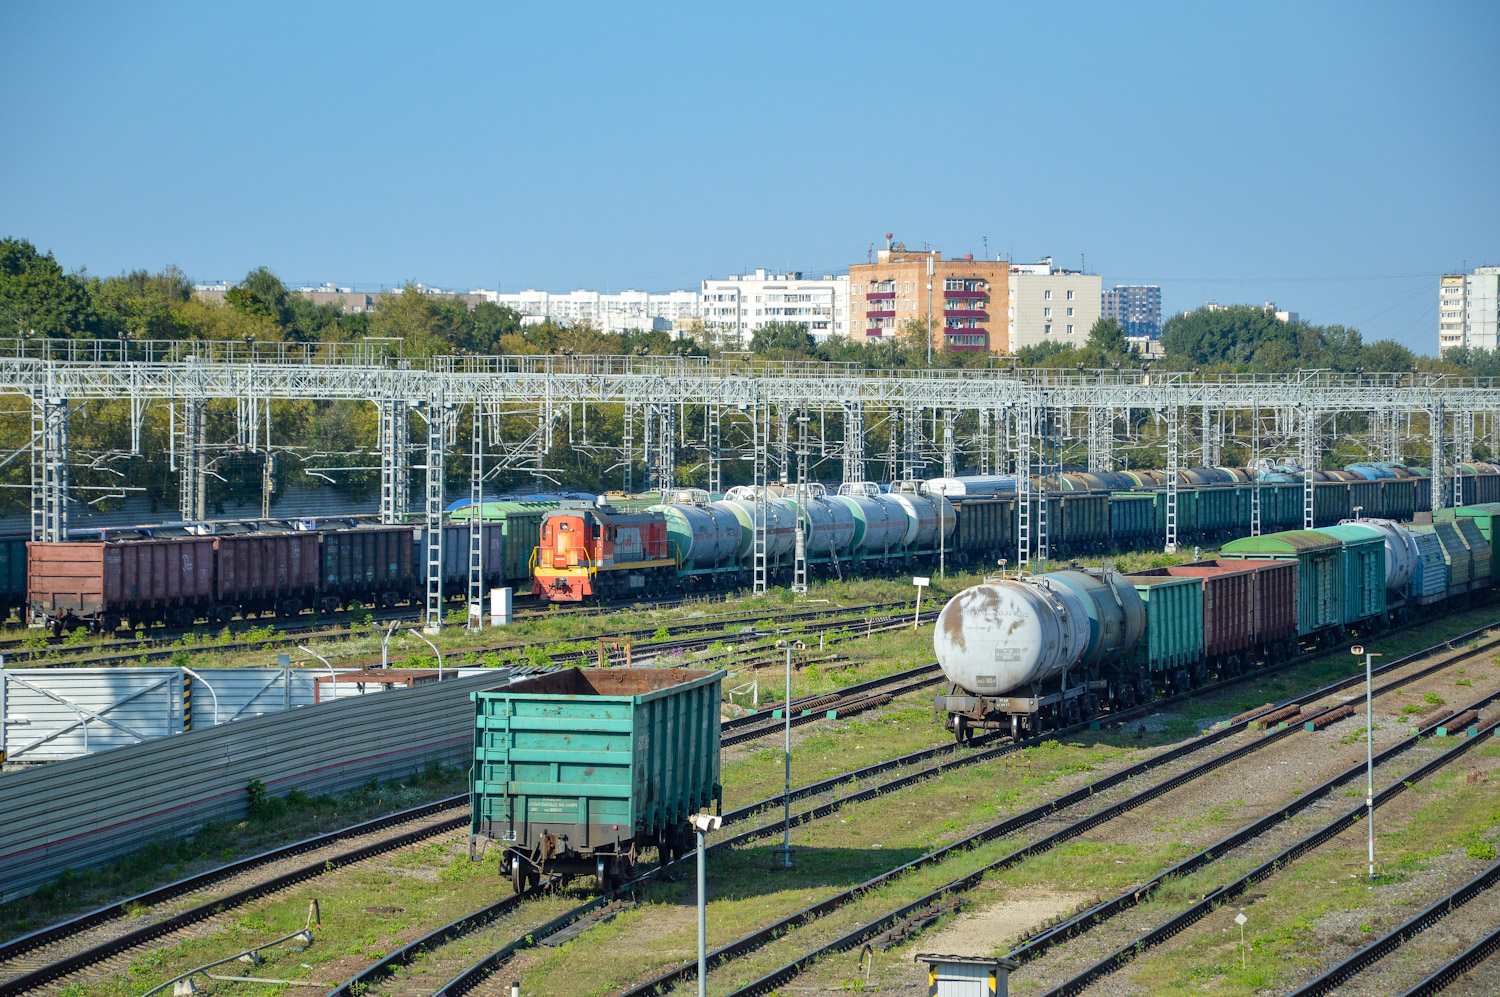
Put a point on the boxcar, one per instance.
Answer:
(371, 565)
(1132, 520)
(1458, 563)
(1171, 647)
(265, 572)
(1319, 574)
(1429, 583)
(1480, 552)
(1363, 572)
(520, 524)
(1228, 610)
(104, 583)
(13, 576)
(576, 771)
(456, 556)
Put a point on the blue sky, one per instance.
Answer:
(1331, 157)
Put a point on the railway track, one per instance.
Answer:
(479, 970)
(1350, 969)
(48, 955)
(291, 633)
(92, 954)
(1050, 810)
(1216, 898)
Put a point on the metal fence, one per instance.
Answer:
(83, 812)
(51, 714)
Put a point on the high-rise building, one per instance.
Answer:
(736, 306)
(1049, 304)
(1469, 309)
(964, 304)
(1137, 307)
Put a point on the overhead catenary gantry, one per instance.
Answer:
(947, 421)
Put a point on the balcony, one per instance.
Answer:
(966, 294)
(881, 314)
(964, 313)
(880, 295)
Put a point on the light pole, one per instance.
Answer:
(434, 651)
(333, 686)
(786, 710)
(385, 644)
(1358, 650)
(702, 824)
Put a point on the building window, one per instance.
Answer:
(1070, 311)
(1047, 329)
(1046, 313)
(1070, 328)
(1070, 295)
(1047, 295)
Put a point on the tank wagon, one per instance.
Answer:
(576, 772)
(1026, 653)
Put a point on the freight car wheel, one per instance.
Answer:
(518, 876)
(602, 874)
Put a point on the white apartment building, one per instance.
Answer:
(625, 311)
(736, 306)
(1469, 309)
(1048, 304)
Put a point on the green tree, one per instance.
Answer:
(782, 341)
(37, 297)
(1106, 336)
(140, 304)
(262, 294)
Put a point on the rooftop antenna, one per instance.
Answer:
(986, 240)
(870, 256)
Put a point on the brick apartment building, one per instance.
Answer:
(968, 301)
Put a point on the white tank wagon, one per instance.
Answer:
(880, 522)
(1022, 654)
(971, 485)
(781, 523)
(828, 527)
(930, 518)
(704, 538)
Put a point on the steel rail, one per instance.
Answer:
(476, 972)
(1088, 919)
(70, 963)
(1460, 964)
(1348, 968)
(1265, 870)
(860, 934)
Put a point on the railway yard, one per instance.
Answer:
(1103, 860)
(1105, 728)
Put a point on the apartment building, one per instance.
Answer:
(734, 308)
(1137, 307)
(1050, 304)
(624, 311)
(1469, 309)
(964, 303)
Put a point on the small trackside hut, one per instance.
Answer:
(576, 771)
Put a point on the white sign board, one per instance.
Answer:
(921, 581)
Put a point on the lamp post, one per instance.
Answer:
(385, 644)
(434, 651)
(1358, 650)
(702, 824)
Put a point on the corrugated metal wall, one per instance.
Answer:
(50, 714)
(83, 812)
